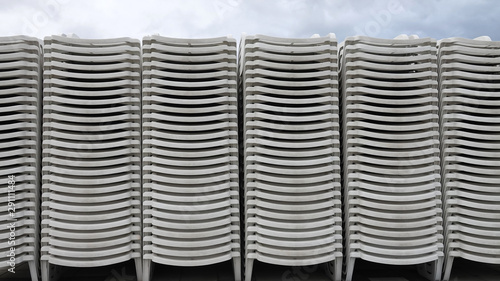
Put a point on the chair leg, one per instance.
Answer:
(33, 270)
(349, 269)
(147, 270)
(438, 271)
(45, 267)
(334, 269)
(447, 268)
(431, 270)
(138, 268)
(338, 269)
(237, 268)
(248, 269)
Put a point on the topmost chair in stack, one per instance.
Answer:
(191, 197)
(20, 92)
(291, 151)
(91, 209)
(391, 169)
(470, 115)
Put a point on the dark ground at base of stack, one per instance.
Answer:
(463, 270)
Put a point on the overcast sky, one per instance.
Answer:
(285, 18)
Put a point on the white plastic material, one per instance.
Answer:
(20, 103)
(91, 210)
(290, 131)
(402, 37)
(392, 192)
(470, 141)
(483, 38)
(190, 153)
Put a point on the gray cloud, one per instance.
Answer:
(287, 18)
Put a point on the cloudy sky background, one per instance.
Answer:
(284, 18)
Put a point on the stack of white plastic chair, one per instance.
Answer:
(392, 193)
(20, 63)
(470, 107)
(91, 200)
(190, 150)
(291, 152)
